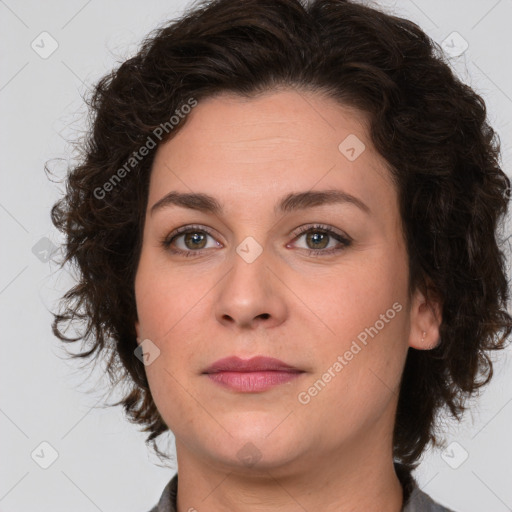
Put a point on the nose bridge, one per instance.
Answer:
(249, 293)
(249, 276)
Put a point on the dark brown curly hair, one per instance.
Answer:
(430, 127)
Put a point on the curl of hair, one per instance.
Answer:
(431, 129)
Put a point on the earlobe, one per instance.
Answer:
(426, 318)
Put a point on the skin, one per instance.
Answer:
(335, 452)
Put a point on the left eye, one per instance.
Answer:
(317, 239)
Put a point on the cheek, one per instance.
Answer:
(356, 382)
(362, 352)
(353, 297)
(165, 308)
(167, 299)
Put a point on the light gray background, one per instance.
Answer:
(102, 462)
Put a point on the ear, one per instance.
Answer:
(426, 318)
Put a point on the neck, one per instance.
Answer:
(348, 481)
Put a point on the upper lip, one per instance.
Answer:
(255, 364)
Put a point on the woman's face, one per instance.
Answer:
(331, 302)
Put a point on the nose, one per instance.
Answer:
(251, 295)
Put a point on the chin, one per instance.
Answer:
(256, 444)
(245, 456)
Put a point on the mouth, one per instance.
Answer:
(252, 375)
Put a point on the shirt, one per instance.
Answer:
(415, 499)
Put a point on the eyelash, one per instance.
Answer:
(343, 239)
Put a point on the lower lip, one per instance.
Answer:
(251, 382)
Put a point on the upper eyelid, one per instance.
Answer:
(321, 227)
(183, 230)
(297, 232)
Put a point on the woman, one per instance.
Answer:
(286, 225)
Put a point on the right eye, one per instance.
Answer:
(193, 240)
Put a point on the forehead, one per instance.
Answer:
(281, 141)
(267, 125)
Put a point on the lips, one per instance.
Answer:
(253, 375)
(255, 364)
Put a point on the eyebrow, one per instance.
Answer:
(289, 203)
